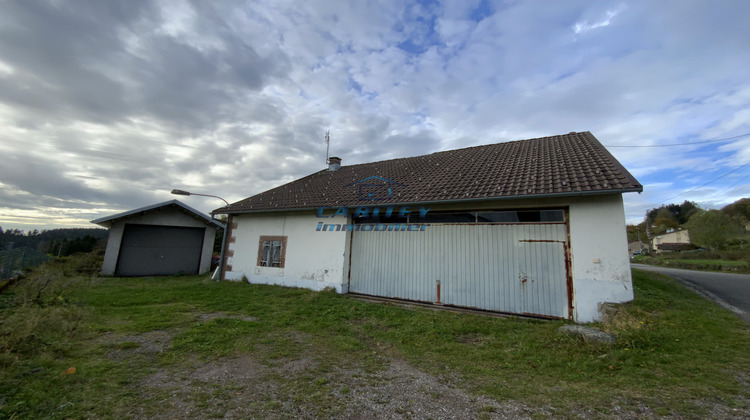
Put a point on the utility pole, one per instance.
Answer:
(638, 229)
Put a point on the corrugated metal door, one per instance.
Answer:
(151, 250)
(517, 268)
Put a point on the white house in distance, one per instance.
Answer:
(674, 240)
(531, 227)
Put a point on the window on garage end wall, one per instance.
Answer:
(271, 251)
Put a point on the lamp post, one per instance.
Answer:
(182, 192)
(223, 237)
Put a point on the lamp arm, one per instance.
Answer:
(214, 196)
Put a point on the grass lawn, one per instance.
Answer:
(676, 354)
(724, 263)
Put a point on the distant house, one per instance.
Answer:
(526, 227)
(160, 239)
(678, 240)
(636, 246)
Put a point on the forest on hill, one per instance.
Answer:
(56, 242)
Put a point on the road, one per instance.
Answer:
(732, 290)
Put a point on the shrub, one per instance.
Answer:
(40, 318)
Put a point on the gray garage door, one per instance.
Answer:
(516, 267)
(149, 250)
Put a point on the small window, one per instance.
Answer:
(271, 251)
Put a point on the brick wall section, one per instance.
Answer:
(231, 227)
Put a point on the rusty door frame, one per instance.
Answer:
(569, 265)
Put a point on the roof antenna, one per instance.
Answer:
(328, 145)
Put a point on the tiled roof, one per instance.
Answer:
(564, 165)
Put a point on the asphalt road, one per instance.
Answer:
(730, 290)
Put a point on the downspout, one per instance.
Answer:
(223, 245)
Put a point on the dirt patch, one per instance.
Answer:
(149, 345)
(205, 317)
(307, 386)
(473, 339)
(308, 383)
(402, 391)
(243, 388)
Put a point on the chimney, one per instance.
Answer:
(334, 163)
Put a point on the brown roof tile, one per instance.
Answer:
(570, 164)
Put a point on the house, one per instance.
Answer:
(676, 240)
(634, 247)
(526, 227)
(160, 239)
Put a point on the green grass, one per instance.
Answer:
(725, 263)
(674, 349)
(729, 261)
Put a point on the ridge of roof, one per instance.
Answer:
(102, 221)
(559, 165)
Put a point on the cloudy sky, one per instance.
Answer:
(106, 106)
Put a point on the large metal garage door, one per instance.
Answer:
(150, 250)
(510, 267)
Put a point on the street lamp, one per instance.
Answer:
(223, 237)
(183, 192)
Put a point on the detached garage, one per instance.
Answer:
(162, 239)
(534, 227)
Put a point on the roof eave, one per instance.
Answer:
(637, 189)
(107, 221)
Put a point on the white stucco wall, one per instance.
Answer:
(600, 265)
(163, 217)
(314, 260)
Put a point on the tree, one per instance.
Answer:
(635, 230)
(661, 219)
(711, 229)
(739, 210)
(687, 210)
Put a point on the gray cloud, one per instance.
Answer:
(109, 105)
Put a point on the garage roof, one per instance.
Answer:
(109, 220)
(563, 165)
